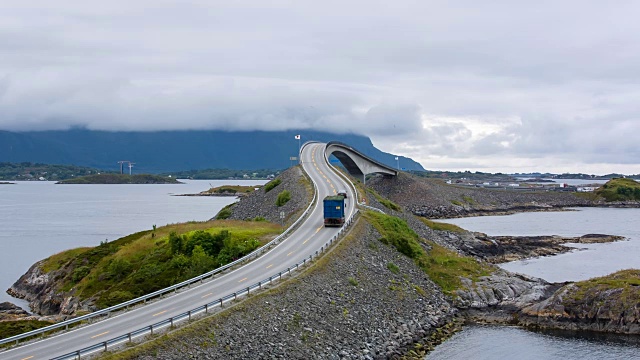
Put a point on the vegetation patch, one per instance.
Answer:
(620, 189)
(232, 189)
(148, 261)
(283, 198)
(225, 212)
(12, 328)
(456, 202)
(387, 203)
(625, 284)
(271, 184)
(439, 226)
(468, 199)
(444, 267)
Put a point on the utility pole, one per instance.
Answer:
(130, 166)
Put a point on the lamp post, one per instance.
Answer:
(297, 137)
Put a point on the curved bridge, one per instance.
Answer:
(357, 164)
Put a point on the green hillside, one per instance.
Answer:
(620, 189)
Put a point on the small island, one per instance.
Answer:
(121, 179)
(227, 190)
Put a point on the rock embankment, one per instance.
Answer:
(501, 249)
(352, 305)
(435, 199)
(606, 304)
(40, 289)
(262, 203)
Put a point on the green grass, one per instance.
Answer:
(11, 328)
(139, 264)
(272, 184)
(393, 268)
(225, 212)
(456, 202)
(469, 200)
(619, 190)
(283, 198)
(439, 226)
(626, 280)
(443, 266)
(386, 202)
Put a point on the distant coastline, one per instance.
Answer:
(121, 179)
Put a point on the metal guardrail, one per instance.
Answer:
(104, 346)
(173, 288)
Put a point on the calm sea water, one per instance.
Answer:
(480, 342)
(502, 342)
(588, 260)
(38, 219)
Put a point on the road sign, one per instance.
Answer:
(281, 214)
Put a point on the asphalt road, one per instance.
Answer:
(308, 238)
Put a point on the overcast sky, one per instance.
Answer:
(459, 85)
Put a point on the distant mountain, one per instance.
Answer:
(166, 151)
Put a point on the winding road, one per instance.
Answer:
(305, 240)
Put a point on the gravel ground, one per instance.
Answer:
(263, 204)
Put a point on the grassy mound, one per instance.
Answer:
(624, 284)
(444, 267)
(620, 190)
(147, 261)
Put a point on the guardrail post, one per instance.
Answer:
(105, 346)
(206, 308)
(171, 321)
(260, 284)
(220, 302)
(248, 289)
(129, 335)
(289, 270)
(280, 275)
(78, 352)
(235, 296)
(151, 329)
(189, 315)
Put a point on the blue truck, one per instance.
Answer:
(334, 210)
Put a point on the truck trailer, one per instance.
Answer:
(333, 210)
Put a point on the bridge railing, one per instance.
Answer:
(174, 288)
(353, 187)
(204, 309)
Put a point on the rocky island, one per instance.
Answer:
(120, 179)
(395, 286)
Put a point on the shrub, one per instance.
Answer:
(271, 184)
(283, 198)
(80, 273)
(353, 281)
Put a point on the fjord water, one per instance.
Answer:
(39, 219)
(505, 342)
